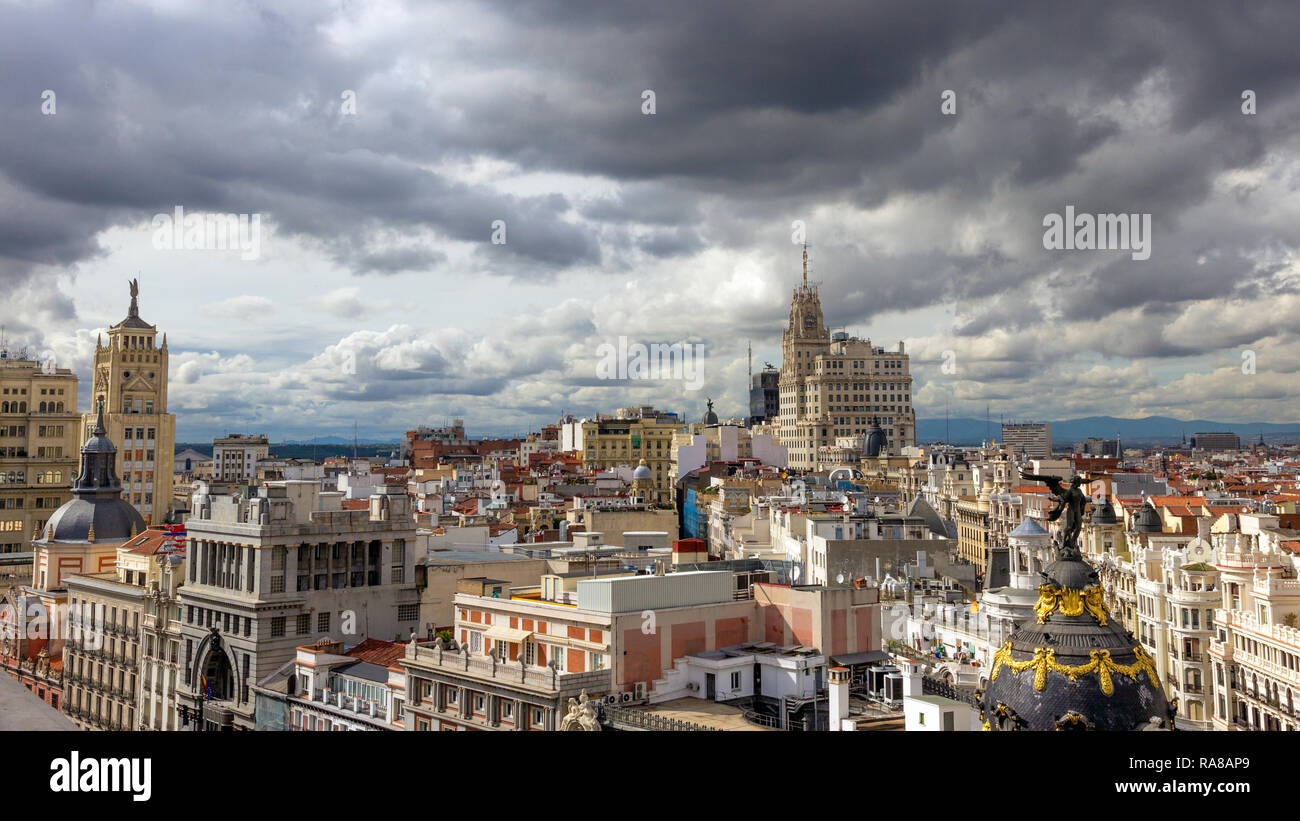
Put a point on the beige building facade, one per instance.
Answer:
(39, 437)
(130, 378)
(834, 386)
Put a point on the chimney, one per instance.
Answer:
(1203, 524)
(839, 697)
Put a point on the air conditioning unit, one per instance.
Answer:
(612, 698)
(627, 697)
(693, 686)
(639, 688)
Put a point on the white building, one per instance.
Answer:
(235, 457)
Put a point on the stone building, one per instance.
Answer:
(44, 622)
(130, 381)
(834, 386)
(267, 573)
(40, 430)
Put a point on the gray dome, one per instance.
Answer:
(1147, 520)
(642, 471)
(1103, 513)
(1029, 529)
(114, 520)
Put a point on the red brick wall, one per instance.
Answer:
(641, 656)
(731, 631)
(865, 639)
(577, 661)
(688, 637)
(839, 631)
(803, 632)
(775, 627)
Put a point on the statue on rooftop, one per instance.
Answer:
(1070, 503)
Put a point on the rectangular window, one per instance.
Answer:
(408, 612)
(277, 626)
(304, 623)
(323, 622)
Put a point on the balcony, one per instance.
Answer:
(465, 664)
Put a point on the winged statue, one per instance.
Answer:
(1070, 504)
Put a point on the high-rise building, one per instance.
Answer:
(235, 457)
(837, 386)
(130, 378)
(1031, 439)
(1216, 441)
(39, 434)
(764, 395)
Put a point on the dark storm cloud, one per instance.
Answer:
(766, 112)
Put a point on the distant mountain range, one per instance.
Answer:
(332, 440)
(1149, 429)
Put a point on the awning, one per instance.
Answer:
(507, 634)
(861, 658)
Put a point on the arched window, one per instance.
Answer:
(42, 407)
(4, 407)
(59, 408)
(22, 407)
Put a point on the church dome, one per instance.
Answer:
(1147, 520)
(710, 418)
(96, 509)
(1103, 513)
(1070, 666)
(642, 472)
(875, 439)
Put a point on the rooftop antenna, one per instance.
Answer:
(749, 345)
(805, 264)
(354, 440)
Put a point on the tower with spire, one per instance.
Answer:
(130, 382)
(835, 387)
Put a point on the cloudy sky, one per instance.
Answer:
(379, 142)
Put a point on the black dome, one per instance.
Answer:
(1147, 520)
(1071, 667)
(875, 439)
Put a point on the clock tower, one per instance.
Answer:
(804, 339)
(130, 379)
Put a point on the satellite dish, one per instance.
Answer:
(839, 579)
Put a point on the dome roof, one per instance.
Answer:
(96, 508)
(642, 472)
(1103, 513)
(113, 520)
(710, 418)
(1147, 520)
(875, 439)
(1029, 529)
(1070, 666)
